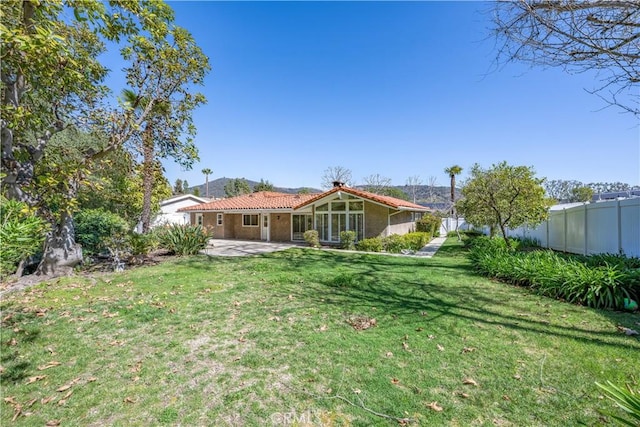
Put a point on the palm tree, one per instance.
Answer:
(453, 171)
(155, 109)
(207, 172)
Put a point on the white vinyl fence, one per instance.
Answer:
(590, 228)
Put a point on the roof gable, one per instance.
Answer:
(389, 201)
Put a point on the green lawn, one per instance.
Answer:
(268, 340)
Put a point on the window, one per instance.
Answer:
(301, 223)
(250, 220)
(199, 219)
(219, 219)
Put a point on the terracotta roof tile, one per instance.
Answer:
(385, 200)
(253, 201)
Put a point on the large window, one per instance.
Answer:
(250, 220)
(339, 215)
(301, 223)
(199, 219)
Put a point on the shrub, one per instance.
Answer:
(183, 239)
(95, 226)
(348, 239)
(311, 237)
(142, 244)
(559, 276)
(627, 399)
(22, 234)
(373, 244)
(429, 223)
(416, 240)
(393, 244)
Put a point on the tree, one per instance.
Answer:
(452, 171)
(177, 187)
(52, 79)
(336, 174)
(414, 182)
(578, 36)
(395, 192)
(561, 190)
(162, 91)
(432, 181)
(376, 183)
(236, 187)
(263, 186)
(207, 172)
(503, 197)
(185, 187)
(304, 190)
(581, 194)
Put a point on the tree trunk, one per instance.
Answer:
(61, 252)
(207, 186)
(453, 194)
(147, 178)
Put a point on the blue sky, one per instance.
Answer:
(393, 88)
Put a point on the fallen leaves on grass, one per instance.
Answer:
(360, 323)
(628, 331)
(395, 381)
(470, 381)
(49, 365)
(435, 407)
(389, 354)
(68, 385)
(53, 423)
(468, 350)
(32, 380)
(128, 400)
(440, 348)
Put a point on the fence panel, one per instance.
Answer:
(603, 227)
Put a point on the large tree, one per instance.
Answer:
(236, 187)
(52, 79)
(503, 197)
(336, 174)
(578, 36)
(452, 171)
(376, 183)
(206, 172)
(413, 183)
(263, 186)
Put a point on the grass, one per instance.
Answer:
(268, 340)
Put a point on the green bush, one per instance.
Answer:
(311, 237)
(94, 227)
(416, 240)
(183, 239)
(393, 244)
(22, 234)
(429, 223)
(348, 240)
(373, 244)
(142, 244)
(571, 278)
(627, 399)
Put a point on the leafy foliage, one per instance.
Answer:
(504, 197)
(312, 238)
(94, 228)
(600, 285)
(348, 239)
(372, 244)
(263, 186)
(627, 399)
(183, 239)
(236, 187)
(22, 234)
(429, 223)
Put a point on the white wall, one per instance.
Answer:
(591, 228)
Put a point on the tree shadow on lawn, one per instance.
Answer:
(460, 302)
(356, 280)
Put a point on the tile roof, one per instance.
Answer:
(385, 200)
(274, 200)
(259, 200)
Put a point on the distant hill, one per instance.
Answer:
(216, 188)
(424, 194)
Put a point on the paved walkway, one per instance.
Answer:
(223, 247)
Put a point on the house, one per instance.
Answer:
(268, 216)
(169, 210)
